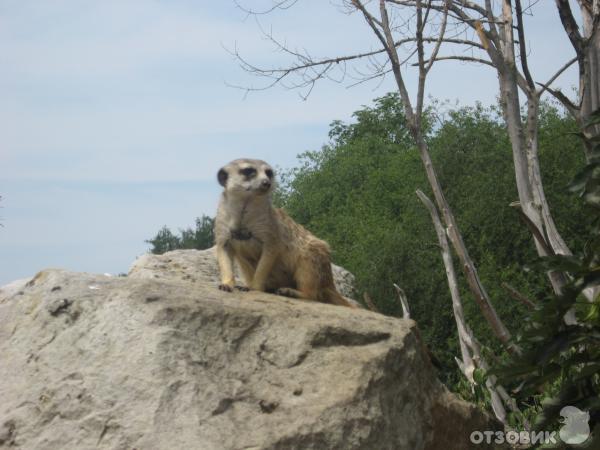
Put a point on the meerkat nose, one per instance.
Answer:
(266, 183)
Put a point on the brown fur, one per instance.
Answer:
(275, 254)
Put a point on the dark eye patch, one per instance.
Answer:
(248, 172)
(269, 173)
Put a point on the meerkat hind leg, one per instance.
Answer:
(307, 283)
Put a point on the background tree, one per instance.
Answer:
(164, 241)
(201, 237)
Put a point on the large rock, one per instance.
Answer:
(89, 361)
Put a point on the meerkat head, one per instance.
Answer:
(247, 177)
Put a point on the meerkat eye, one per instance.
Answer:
(269, 173)
(248, 172)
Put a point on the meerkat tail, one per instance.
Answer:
(336, 298)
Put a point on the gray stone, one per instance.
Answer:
(162, 362)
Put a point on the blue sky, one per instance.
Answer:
(115, 115)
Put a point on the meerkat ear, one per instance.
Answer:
(222, 177)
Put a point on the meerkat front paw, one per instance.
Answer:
(226, 287)
(242, 288)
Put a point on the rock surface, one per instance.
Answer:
(95, 362)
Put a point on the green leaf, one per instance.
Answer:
(479, 375)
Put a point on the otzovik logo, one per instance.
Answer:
(576, 429)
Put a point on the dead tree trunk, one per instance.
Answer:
(469, 347)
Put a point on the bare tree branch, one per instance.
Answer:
(538, 233)
(403, 301)
(369, 302)
(395, 60)
(464, 336)
(492, 20)
(308, 70)
(566, 101)
(570, 25)
(547, 84)
(522, 46)
(281, 4)
(518, 296)
(464, 59)
(470, 349)
(438, 44)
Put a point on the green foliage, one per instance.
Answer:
(200, 238)
(164, 241)
(358, 193)
(561, 358)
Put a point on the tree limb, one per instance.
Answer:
(438, 44)
(567, 103)
(547, 84)
(518, 296)
(539, 234)
(465, 338)
(522, 46)
(570, 25)
(369, 302)
(281, 4)
(421, 62)
(462, 58)
(403, 301)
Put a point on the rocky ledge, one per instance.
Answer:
(156, 360)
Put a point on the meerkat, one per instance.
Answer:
(274, 253)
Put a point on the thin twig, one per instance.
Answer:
(522, 46)
(518, 296)
(369, 302)
(540, 235)
(462, 58)
(403, 301)
(547, 84)
(440, 40)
